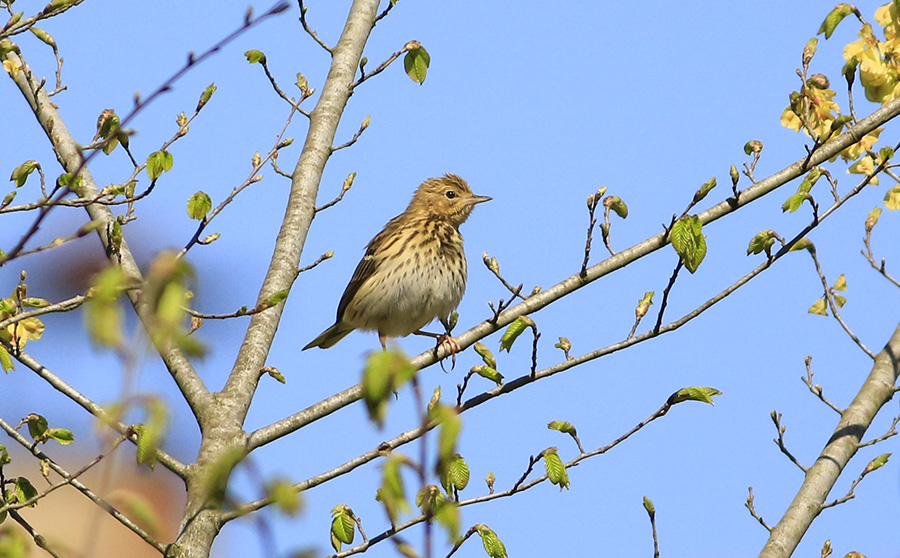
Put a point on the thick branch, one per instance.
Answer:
(875, 392)
(539, 300)
(69, 154)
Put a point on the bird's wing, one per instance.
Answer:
(366, 267)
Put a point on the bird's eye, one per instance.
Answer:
(450, 194)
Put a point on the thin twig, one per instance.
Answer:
(103, 504)
(816, 389)
(756, 516)
(776, 418)
(829, 297)
(311, 33)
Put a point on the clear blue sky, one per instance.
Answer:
(536, 105)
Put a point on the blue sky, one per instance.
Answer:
(536, 105)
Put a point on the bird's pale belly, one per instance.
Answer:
(417, 296)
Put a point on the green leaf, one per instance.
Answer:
(872, 219)
(492, 544)
(879, 461)
(20, 174)
(840, 284)
(6, 361)
(794, 202)
(820, 307)
(447, 515)
(343, 526)
(616, 204)
(513, 332)
(486, 355)
(753, 146)
(810, 180)
(707, 186)
(61, 435)
(703, 394)
(648, 505)
(762, 242)
(157, 163)
(385, 372)
(834, 18)
(562, 426)
(392, 493)
(892, 198)
(839, 301)
(37, 427)
(206, 96)
(24, 490)
(4, 459)
(275, 298)
(556, 469)
(103, 316)
(255, 56)
(8, 199)
(429, 499)
(284, 495)
(150, 433)
(454, 474)
(199, 205)
(416, 63)
(451, 425)
(689, 241)
(803, 244)
(486, 371)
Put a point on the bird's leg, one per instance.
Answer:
(443, 339)
(383, 338)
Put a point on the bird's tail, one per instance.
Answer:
(330, 336)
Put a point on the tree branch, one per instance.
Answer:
(875, 392)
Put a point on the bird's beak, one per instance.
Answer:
(478, 199)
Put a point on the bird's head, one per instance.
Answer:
(446, 197)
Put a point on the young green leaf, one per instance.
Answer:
(157, 163)
(486, 355)
(454, 473)
(61, 435)
(689, 241)
(255, 56)
(385, 372)
(24, 490)
(6, 361)
(429, 499)
(392, 493)
(702, 394)
(556, 469)
(762, 242)
(707, 187)
(416, 63)
(20, 174)
(513, 332)
(872, 219)
(803, 244)
(648, 505)
(285, 496)
(616, 204)
(199, 205)
(794, 202)
(451, 425)
(892, 198)
(206, 96)
(820, 307)
(37, 427)
(878, 462)
(492, 544)
(343, 526)
(486, 371)
(840, 284)
(834, 18)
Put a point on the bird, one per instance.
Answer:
(413, 271)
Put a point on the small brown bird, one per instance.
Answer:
(414, 270)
